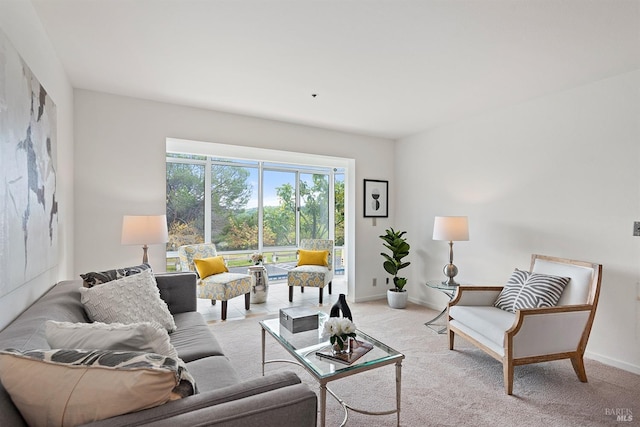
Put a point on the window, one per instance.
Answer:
(247, 206)
(185, 200)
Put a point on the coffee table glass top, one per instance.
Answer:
(303, 346)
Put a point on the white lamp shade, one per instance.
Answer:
(144, 229)
(451, 228)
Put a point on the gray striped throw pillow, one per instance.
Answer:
(538, 290)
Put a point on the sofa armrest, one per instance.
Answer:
(549, 330)
(178, 290)
(256, 387)
(476, 295)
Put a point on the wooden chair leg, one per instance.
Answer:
(224, 310)
(247, 298)
(329, 288)
(290, 293)
(321, 289)
(578, 367)
(508, 377)
(451, 338)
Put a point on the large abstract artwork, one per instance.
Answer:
(28, 206)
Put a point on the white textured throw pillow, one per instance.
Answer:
(131, 299)
(150, 337)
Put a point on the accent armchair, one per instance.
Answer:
(222, 286)
(530, 335)
(313, 274)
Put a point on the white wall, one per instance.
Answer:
(20, 23)
(120, 169)
(559, 175)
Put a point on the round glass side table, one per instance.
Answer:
(449, 291)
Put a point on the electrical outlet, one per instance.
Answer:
(375, 281)
(387, 282)
(636, 228)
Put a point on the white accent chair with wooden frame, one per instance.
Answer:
(531, 335)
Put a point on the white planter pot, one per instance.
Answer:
(397, 299)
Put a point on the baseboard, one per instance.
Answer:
(371, 298)
(427, 304)
(613, 362)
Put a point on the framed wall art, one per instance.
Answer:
(28, 201)
(376, 198)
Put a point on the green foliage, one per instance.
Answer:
(185, 201)
(314, 208)
(183, 234)
(282, 219)
(397, 244)
(339, 212)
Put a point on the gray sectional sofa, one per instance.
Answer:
(223, 400)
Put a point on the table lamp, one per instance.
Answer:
(144, 230)
(453, 229)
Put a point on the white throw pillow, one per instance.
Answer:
(66, 387)
(150, 337)
(131, 299)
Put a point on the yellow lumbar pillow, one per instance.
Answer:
(209, 266)
(313, 257)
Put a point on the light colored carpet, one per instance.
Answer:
(447, 388)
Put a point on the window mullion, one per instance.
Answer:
(332, 205)
(298, 208)
(260, 206)
(207, 201)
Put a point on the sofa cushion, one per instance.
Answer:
(128, 300)
(94, 278)
(213, 373)
(60, 387)
(491, 322)
(193, 339)
(148, 337)
(209, 266)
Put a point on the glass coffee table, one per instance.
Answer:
(303, 346)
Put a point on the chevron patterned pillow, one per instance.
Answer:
(541, 290)
(511, 290)
(538, 290)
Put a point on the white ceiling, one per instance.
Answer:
(386, 68)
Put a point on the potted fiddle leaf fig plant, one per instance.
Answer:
(397, 244)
